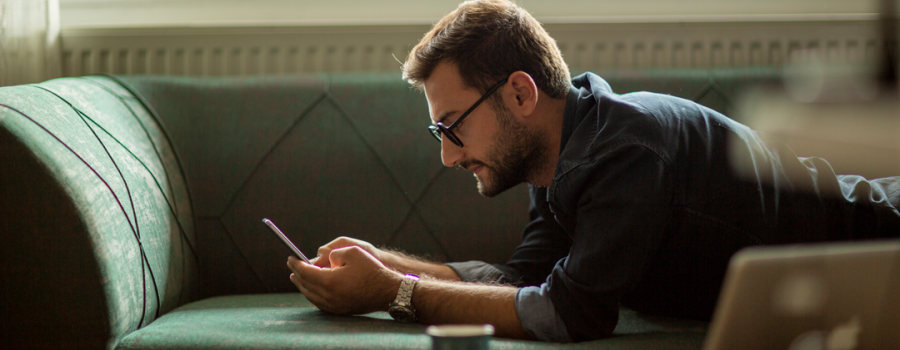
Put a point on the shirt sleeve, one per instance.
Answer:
(538, 315)
(544, 243)
(478, 271)
(621, 202)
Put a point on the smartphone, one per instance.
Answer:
(286, 241)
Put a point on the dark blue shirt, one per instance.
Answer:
(646, 208)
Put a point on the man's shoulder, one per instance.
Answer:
(648, 119)
(637, 102)
(617, 121)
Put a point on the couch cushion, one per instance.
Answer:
(289, 321)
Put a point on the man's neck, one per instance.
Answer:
(551, 112)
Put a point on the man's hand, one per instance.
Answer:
(354, 281)
(323, 257)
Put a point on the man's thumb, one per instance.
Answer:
(341, 256)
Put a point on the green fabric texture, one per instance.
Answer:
(289, 321)
(97, 244)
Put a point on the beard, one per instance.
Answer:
(516, 154)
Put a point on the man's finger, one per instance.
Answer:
(299, 283)
(308, 288)
(319, 303)
(321, 261)
(293, 263)
(311, 276)
(342, 256)
(313, 297)
(322, 256)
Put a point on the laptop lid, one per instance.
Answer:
(836, 296)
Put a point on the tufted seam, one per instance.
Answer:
(413, 203)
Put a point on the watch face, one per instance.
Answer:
(402, 314)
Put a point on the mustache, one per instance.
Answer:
(468, 164)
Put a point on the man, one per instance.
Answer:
(633, 199)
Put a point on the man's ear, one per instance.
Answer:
(521, 94)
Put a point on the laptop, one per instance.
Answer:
(828, 296)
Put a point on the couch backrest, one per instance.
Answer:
(96, 228)
(346, 154)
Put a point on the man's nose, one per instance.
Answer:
(451, 154)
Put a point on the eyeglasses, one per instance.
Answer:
(439, 128)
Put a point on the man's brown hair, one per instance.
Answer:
(488, 40)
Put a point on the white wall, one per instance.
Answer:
(154, 13)
(234, 37)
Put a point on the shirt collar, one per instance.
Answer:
(569, 117)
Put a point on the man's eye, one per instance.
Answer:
(459, 124)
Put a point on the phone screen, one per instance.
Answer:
(286, 241)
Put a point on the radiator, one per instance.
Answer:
(240, 51)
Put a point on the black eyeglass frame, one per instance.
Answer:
(439, 128)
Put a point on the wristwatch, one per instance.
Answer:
(402, 309)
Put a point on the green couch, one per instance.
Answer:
(131, 207)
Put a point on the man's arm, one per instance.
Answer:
(405, 264)
(544, 244)
(621, 202)
(357, 282)
(442, 302)
(394, 260)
